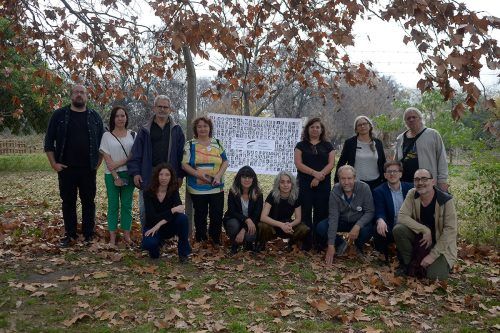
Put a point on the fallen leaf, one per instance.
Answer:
(76, 318)
(320, 304)
(100, 275)
(39, 294)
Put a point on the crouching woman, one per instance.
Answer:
(165, 216)
(281, 215)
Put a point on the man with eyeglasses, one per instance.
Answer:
(161, 140)
(421, 147)
(426, 233)
(388, 198)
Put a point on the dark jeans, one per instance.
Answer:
(81, 181)
(179, 227)
(233, 227)
(364, 234)
(381, 243)
(211, 205)
(314, 205)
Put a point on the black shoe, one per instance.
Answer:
(401, 271)
(249, 246)
(259, 247)
(88, 239)
(234, 248)
(183, 259)
(67, 241)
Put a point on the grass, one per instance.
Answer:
(25, 162)
(254, 298)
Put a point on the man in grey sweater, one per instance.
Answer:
(350, 210)
(421, 147)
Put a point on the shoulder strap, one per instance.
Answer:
(407, 150)
(119, 143)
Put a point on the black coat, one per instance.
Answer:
(348, 155)
(235, 211)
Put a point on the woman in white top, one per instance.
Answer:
(115, 149)
(365, 153)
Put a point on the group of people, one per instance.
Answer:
(403, 200)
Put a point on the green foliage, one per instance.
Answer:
(27, 162)
(478, 205)
(28, 89)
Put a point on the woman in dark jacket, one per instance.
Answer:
(244, 205)
(365, 153)
(165, 216)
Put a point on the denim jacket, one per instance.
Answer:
(55, 138)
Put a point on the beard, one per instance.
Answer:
(79, 103)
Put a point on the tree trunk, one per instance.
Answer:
(191, 115)
(246, 101)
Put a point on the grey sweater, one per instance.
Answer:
(360, 211)
(431, 153)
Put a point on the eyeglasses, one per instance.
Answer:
(162, 107)
(411, 118)
(362, 124)
(421, 179)
(393, 172)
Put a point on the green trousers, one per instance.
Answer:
(267, 232)
(403, 236)
(119, 199)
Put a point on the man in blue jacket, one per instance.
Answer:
(72, 146)
(388, 198)
(161, 140)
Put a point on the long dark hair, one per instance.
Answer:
(305, 132)
(254, 191)
(112, 117)
(155, 182)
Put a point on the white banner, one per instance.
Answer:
(265, 144)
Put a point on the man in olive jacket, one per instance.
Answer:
(431, 212)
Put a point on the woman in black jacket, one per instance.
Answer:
(165, 216)
(365, 153)
(244, 205)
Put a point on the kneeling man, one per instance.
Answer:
(350, 210)
(429, 212)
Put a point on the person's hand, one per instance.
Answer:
(204, 177)
(330, 253)
(318, 175)
(178, 209)
(443, 186)
(287, 228)
(240, 236)
(314, 182)
(381, 227)
(152, 231)
(427, 261)
(138, 181)
(426, 240)
(58, 167)
(119, 182)
(354, 233)
(251, 226)
(111, 165)
(216, 181)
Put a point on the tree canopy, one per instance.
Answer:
(263, 45)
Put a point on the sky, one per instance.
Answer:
(382, 43)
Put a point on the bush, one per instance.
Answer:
(478, 202)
